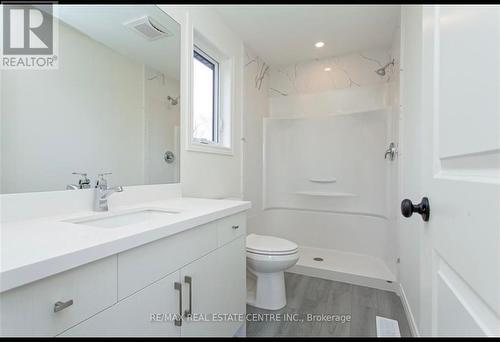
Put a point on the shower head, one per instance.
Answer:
(173, 100)
(382, 71)
(156, 76)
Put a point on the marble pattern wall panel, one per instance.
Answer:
(335, 85)
(336, 72)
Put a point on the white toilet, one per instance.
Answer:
(267, 259)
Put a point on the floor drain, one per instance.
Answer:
(318, 259)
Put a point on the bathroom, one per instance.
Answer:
(219, 170)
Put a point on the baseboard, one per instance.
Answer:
(409, 314)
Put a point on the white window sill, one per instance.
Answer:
(210, 148)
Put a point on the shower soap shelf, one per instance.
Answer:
(325, 194)
(319, 180)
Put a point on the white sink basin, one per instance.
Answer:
(124, 218)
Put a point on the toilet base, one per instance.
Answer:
(267, 290)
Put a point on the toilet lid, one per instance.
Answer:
(269, 244)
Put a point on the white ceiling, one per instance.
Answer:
(285, 34)
(104, 23)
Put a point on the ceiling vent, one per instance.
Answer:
(148, 28)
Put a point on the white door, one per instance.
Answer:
(451, 124)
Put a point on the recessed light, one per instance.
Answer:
(327, 69)
(319, 44)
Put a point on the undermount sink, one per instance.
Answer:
(124, 218)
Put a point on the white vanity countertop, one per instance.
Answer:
(37, 248)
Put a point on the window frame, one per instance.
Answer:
(227, 93)
(205, 58)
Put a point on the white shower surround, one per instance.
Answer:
(348, 213)
(346, 149)
(349, 219)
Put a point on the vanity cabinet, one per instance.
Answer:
(196, 276)
(211, 287)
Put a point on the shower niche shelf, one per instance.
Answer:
(325, 194)
(323, 180)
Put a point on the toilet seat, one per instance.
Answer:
(252, 252)
(270, 245)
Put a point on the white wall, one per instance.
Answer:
(75, 118)
(255, 109)
(208, 174)
(410, 177)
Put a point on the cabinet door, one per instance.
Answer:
(218, 288)
(145, 313)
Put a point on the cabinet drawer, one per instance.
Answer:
(230, 228)
(141, 266)
(133, 315)
(30, 309)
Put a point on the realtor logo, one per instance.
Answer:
(29, 36)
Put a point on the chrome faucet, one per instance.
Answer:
(102, 192)
(83, 183)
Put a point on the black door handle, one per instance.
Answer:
(423, 208)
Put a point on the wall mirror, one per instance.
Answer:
(111, 106)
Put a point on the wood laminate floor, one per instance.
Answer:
(332, 303)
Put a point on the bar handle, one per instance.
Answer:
(58, 306)
(178, 321)
(188, 280)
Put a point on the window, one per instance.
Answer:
(210, 123)
(206, 115)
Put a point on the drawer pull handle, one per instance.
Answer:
(236, 227)
(188, 280)
(62, 305)
(178, 320)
